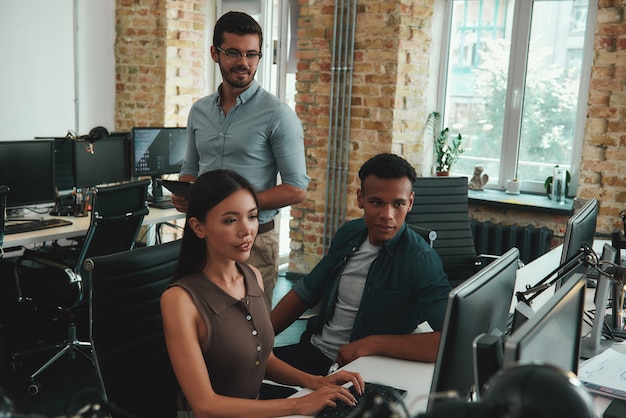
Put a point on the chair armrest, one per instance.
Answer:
(429, 235)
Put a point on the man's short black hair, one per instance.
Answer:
(388, 166)
(238, 23)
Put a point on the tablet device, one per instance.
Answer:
(179, 188)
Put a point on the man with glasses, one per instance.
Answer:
(244, 128)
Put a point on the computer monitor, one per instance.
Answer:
(552, 336)
(27, 168)
(158, 151)
(105, 161)
(581, 227)
(480, 305)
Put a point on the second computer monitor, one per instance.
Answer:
(552, 336)
(158, 151)
(581, 227)
(478, 306)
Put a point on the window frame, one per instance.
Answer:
(515, 87)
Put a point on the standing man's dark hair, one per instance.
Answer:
(237, 23)
(388, 166)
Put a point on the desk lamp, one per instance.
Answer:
(585, 255)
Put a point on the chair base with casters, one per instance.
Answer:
(70, 347)
(59, 282)
(53, 276)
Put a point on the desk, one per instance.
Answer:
(416, 377)
(79, 227)
(412, 376)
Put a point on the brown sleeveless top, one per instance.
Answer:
(240, 334)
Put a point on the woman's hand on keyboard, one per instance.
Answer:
(325, 396)
(344, 376)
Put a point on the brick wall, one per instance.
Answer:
(603, 165)
(159, 61)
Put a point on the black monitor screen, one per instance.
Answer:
(581, 227)
(478, 306)
(108, 163)
(553, 334)
(27, 168)
(158, 151)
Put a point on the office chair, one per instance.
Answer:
(441, 204)
(53, 275)
(126, 329)
(4, 190)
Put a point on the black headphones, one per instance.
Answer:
(95, 134)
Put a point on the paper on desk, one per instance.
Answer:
(605, 374)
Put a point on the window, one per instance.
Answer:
(516, 85)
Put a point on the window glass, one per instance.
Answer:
(514, 71)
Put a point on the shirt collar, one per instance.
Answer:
(220, 301)
(390, 246)
(245, 95)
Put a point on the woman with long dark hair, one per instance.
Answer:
(217, 320)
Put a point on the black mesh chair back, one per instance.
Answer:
(127, 331)
(116, 219)
(4, 190)
(441, 204)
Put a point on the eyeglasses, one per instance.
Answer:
(252, 57)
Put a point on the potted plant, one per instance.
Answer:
(447, 149)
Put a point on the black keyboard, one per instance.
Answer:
(35, 225)
(389, 395)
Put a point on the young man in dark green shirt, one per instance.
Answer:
(379, 281)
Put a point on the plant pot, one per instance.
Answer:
(443, 173)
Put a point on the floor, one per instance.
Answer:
(67, 385)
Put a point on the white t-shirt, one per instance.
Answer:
(336, 332)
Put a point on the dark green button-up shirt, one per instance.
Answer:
(405, 284)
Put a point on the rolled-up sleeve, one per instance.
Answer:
(287, 141)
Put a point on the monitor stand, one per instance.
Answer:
(156, 199)
(617, 320)
(594, 344)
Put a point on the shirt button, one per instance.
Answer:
(258, 348)
(254, 332)
(257, 363)
(248, 317)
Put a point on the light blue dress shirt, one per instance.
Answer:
(260, 137)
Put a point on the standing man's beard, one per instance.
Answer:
(233, 76)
